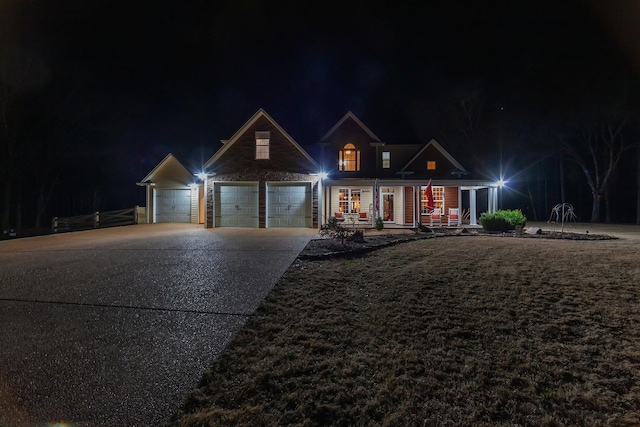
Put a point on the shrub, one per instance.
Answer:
(336, 230)
(379, 223)
(502, 220)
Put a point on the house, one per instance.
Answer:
(262, 178)
(370, 178)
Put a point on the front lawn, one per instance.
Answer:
(455, 331)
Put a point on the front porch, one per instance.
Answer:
(358, 203)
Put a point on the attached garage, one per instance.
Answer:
(236, 205)
(289, 204)
(173, 205)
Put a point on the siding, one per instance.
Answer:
(450, 198)
(409, 205)
(283, 155)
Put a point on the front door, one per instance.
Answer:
(387, 204)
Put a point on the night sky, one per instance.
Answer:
(137, 80)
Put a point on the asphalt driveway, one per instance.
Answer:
(114, 326)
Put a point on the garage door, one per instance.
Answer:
(173, 205)
(288, 205)
(237, 205)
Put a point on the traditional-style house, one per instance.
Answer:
(368, 178)
(261, 177)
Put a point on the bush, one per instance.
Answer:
(502, 220)
(379, 223)
(336, 230)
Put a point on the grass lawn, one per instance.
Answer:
(455, 331)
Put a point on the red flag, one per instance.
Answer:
(429, 194)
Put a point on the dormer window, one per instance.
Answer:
(262, 145)
(349, 158)
(386, 159)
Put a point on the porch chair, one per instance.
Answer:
(436, 217)
(454, 217)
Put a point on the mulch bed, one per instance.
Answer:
(328, 247)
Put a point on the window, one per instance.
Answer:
(431, 165)
(438, 199)
(349, 158)
(386, 159)
(349, 200)
(262, 145)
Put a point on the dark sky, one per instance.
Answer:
(179, 76)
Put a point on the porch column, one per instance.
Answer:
(205, 212)
(473, 208)
(320, 207)
(493, 199)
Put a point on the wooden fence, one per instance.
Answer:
(129, 216)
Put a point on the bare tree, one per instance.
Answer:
(465, 113)
(597, 148)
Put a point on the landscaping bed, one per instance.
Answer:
(328, 247)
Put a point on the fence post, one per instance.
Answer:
(96, 220)
(54, 224)
(135, 214)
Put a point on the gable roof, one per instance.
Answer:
(170, 161)
(353, 117)
(441, 149)
(260, 113)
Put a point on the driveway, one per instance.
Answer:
(114, 326)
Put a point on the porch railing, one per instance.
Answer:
(135, 215)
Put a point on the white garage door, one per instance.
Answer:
(289, 205)
(173, 205)
(237, 205)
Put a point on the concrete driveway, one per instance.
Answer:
(114, 326)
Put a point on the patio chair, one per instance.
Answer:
(454, 217)
(436, 218)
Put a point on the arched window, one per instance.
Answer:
(349, 158)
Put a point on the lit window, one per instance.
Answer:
(349, 158)
(349, 200)
(438, 199)
(386, 159)
(431, 165)
(262, 145)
